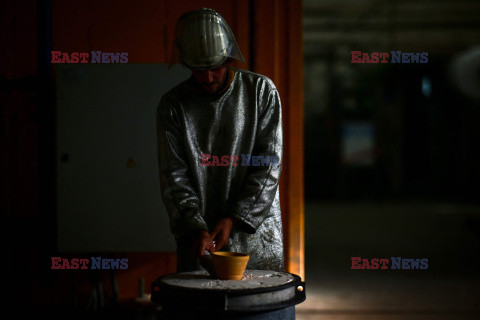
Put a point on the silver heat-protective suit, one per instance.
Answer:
(245, 119)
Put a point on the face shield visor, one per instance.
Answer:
(204, 40)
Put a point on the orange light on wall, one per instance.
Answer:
(277, 53)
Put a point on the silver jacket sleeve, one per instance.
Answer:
(256, 195)
(180, 198)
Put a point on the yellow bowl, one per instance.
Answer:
(229, 265)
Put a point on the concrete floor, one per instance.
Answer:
(447, 234)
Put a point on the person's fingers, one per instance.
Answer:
(206, 244)
(221, 233)
(210, 247)
(221, 241)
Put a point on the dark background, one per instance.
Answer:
(417, 197)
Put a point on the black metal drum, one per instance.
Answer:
(260, 294)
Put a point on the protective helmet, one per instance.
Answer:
(204, 40)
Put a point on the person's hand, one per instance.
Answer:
(221, 233)
(203, 241)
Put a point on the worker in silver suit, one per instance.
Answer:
(229, 114)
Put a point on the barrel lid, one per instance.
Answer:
(252, 279)
(257, 290)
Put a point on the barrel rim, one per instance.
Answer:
(162, 285)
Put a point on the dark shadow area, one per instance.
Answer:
(391, 159)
